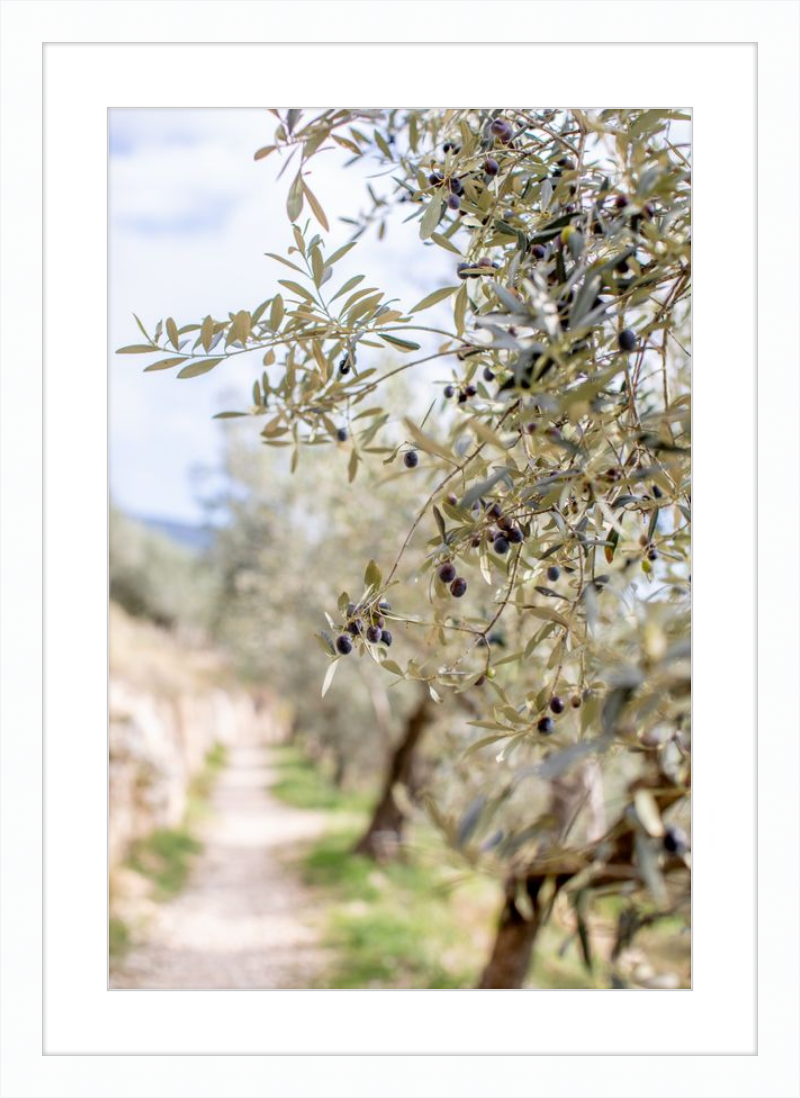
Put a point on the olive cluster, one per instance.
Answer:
(482, 267)
(453, 184)
(367, 622)
(546, 725)
(448, 575)
(507, 532)
(464, 392)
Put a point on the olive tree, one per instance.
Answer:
(267, 609)
(549, 476)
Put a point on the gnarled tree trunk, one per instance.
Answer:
(515, 938)
(382, 838)
(517, 930)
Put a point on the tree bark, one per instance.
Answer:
(516, 934)
(382, 838)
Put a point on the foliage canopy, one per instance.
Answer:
(551, 524)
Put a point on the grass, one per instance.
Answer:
(165, 857)
(422, 922)
(415, 923)
(202, 784)
(303, 785)
(119, 937)
(387, 926)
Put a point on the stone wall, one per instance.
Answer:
(168, 707)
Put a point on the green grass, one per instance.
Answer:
(303, 785)
(416, 923)
(165, 858)
(119, 937)
(390, 925)
(202, 784)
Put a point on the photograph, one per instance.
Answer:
(399, 548)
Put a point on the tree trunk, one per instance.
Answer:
(515, 938)
(382, 838)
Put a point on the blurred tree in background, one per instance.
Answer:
(281, 541)
(151, 576)
(524, 536)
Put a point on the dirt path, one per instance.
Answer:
(242, 920)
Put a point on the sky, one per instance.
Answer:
(191, 215)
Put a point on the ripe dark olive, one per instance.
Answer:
(354, 627)
(447, 573)
(494, 510)
(435, 179)
(411, 459)
(449, 391)
(452, 499)
(490, 166)
(515, 535)
(557, 704)
(379, 620)
(652, 555)
(458, 587)
(546, 726)
(386, 638)
(627, 340)
(344, 646)
(455, 185)
(488, 375)
(502, 130)
(373, 634)
(481, 679)
(575, 701)
(470, 391)
(565, 162)
(462, 397)
(538, 251)
(461, 270)
(553, 572)
(475, 541)
(657, 492)
(341, 434)
(675, 840)
(344, 365)
(450, 147)
(501, 545)
(621, 201)
(384, 605)
(453, 202)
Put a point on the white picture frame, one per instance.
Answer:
(64, 64)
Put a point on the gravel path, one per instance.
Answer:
(242, 920)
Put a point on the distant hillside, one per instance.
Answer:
(196, 538)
